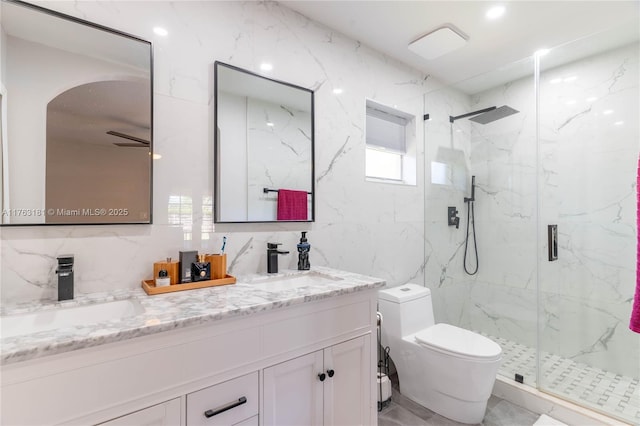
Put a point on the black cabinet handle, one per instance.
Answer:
(321, 376)
(331, 373)
(552, 236)
(223, 408)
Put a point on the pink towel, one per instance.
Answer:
(292, 205)
(634, 324)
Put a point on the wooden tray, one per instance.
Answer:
(150, 288)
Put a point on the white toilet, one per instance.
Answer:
(447, 369)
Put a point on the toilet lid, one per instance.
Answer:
(455, 340)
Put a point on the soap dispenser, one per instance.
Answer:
(303, 253)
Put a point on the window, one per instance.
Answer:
(390, 145)
(383, 164)
(207, 217)
(180, 213)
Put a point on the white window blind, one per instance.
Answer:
(385, 130)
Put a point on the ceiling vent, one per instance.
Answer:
(439, 42)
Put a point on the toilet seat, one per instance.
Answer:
(458, 342)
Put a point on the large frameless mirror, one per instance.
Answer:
(264, 148)
(76, 121)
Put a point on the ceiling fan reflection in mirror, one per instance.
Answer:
(137, 142)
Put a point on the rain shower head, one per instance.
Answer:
(493, 115)
(487, 115)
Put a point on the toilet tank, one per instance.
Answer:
(406, 309)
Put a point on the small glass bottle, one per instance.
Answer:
(163, 280)
(200, 270)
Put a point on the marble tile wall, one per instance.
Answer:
(360, 226)
(586, 185)
(589, 148)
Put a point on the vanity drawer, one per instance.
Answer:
(226, 403)
(253, 421)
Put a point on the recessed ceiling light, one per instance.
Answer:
(592, 99)
(270, 124)
(607, 111)
(337, 91)
(495, 12)
(266, 66)
(160, 31)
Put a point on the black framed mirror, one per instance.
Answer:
(264, 148)
(76, 130)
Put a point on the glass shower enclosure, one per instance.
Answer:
(554, 213)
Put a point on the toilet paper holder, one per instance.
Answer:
(383, 382)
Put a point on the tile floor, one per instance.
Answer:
(610, 393)
(401, 411)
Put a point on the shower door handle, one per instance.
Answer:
(552, 236)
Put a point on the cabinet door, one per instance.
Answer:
(347, 393)
(293, 392)
(165, 414)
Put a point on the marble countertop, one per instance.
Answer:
(251, 294)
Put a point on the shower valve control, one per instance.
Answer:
(452, 214)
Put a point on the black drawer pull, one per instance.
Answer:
(331, 373)
(222, 409)
(321, 376)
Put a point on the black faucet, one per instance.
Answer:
(272, 257)
(65, 277)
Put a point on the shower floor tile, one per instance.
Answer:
(601, 390)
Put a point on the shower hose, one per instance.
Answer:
(471, 220)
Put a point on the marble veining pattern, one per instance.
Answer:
(353, 229)
(583, 180)
(286, 142)
(176, 310)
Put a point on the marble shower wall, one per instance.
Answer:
(586, 185)
(447, 153)
(503, 158)
(589, 137)
(360, 226)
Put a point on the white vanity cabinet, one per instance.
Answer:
(165, 414)
(327, 387)
(272, 358)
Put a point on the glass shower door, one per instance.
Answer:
(587, 151)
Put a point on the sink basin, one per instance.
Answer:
(15, 325)
(286, 282)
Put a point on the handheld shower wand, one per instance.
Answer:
(471, 220)
(473, 190)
